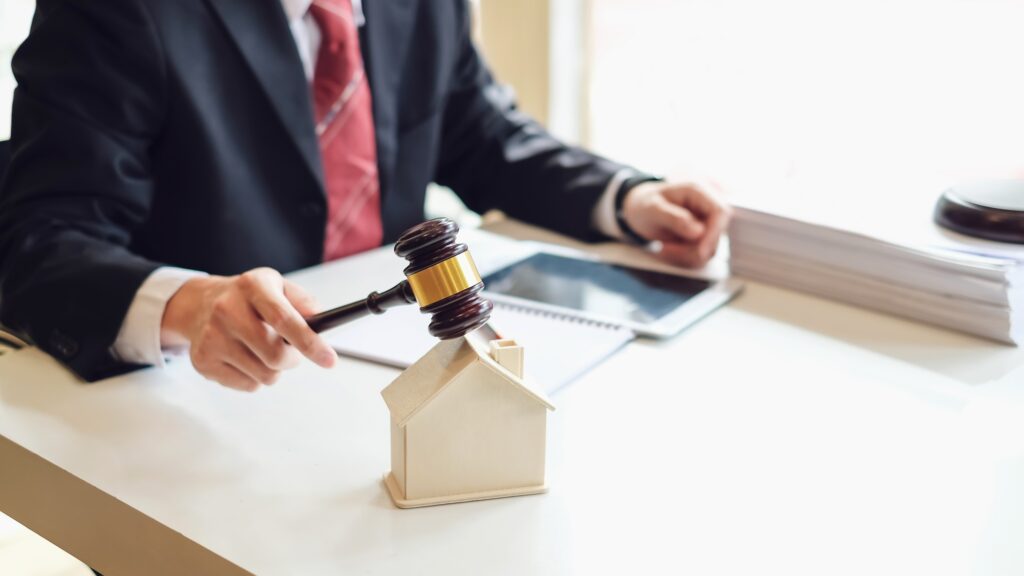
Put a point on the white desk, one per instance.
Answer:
(783, 434)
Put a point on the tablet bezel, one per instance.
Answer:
(718, 293)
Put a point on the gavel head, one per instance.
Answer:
(444, 278)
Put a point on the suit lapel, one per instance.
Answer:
(385, 41)
(260, 30)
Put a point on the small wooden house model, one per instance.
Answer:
(464, 426)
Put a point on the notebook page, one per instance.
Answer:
(557, 349)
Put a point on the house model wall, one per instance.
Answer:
(465, 426)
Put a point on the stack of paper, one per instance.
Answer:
(962, 289)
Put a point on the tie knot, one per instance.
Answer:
(334, 17)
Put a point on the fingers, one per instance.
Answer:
(716, 225)
(679, 221)
(232, 377)
(701, 199)
(286, 320)
(681, 254)
(266, 294)
(704, 207)
(233, 318)
(302, 300)
(210, 358)
(248, 328)
(265, 343)
(241, 358)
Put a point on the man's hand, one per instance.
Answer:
(244, 330)
(688, 219)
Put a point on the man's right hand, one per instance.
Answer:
(244, 330)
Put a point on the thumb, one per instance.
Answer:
(302, 300)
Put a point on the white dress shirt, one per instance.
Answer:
(138, 340)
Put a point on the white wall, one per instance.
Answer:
(822, 88)
(15, 16)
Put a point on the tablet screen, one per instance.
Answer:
(609, 290)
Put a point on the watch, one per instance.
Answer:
(620, 199)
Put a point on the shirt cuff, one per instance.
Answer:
(603, 218)
(138, 340)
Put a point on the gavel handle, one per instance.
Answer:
(376, 303)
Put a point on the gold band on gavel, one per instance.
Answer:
(444, 279)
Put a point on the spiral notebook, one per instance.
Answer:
(558, 348)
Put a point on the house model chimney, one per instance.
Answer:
(509, 355)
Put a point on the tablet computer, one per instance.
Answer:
(651, 303)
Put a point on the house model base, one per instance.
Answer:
(465, 426)
(397, 497)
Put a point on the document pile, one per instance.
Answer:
(955, 285)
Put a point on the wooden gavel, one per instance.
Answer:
(441, 277)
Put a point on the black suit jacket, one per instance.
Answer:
(180, 132)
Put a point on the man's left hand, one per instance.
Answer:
(686, 218)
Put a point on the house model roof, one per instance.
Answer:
(425, 379)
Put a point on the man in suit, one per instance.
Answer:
(171, 158)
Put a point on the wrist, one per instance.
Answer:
(626, 200)
(182, 311)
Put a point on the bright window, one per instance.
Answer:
(15, 16)
(811, 88)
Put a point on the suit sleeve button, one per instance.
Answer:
(63, 344)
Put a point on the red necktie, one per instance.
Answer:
(341, 98)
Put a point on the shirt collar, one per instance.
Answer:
(296, 9)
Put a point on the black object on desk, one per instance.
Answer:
(992, 209)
